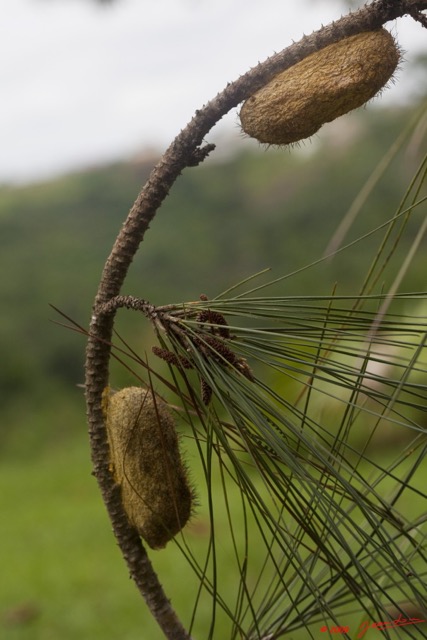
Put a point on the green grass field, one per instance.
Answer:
(63, 575)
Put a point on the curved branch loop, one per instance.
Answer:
(186, 150)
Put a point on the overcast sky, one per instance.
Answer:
(83, 84)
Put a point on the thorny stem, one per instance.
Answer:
(185, 151)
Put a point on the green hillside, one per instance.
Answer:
(222, 222)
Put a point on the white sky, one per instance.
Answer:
(83, 84)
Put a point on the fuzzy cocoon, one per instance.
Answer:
(146, 462)
(320, 88)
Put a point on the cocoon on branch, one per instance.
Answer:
(146, 463)
(320, 88)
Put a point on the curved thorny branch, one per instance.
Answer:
(185, 151)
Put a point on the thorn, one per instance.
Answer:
(200, 154)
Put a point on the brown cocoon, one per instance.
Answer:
(320, 88)
(146, 463)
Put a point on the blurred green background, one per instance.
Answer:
(62, 574)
